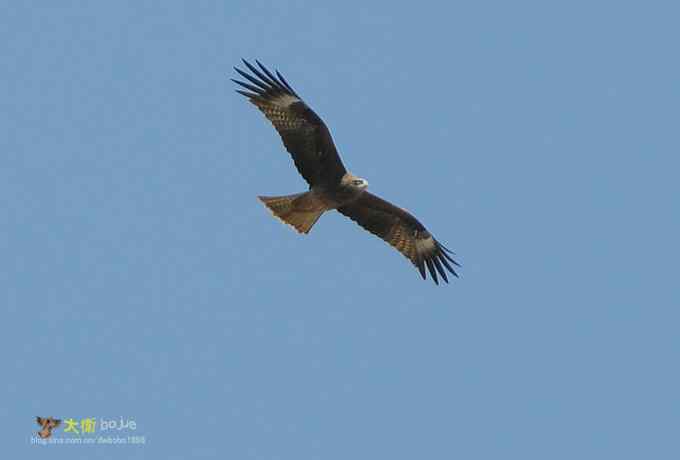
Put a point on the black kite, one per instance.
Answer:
(331, 186)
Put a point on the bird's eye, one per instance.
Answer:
(358, 182)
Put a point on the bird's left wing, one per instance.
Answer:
(303, 132)
(404, 232)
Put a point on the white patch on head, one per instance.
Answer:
(285, 100)
(351, 180)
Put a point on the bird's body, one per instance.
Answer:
(302, 210)
(348, 190)
(331, 186)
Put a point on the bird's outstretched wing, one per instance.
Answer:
(403, 231)
(304, 134)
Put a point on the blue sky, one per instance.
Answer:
(140, 277)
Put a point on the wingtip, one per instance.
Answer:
(246, 94)
(444, 255)
(431, 269)
(440, 269)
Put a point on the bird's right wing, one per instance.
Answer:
(304, 134)
(403, 232)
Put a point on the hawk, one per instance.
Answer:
(331, 186)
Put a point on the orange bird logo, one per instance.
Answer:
(47, 424)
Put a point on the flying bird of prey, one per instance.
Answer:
(331, 186)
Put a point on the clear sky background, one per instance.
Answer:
(141, 278)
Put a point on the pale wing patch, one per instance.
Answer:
(285, 100)
(425, 246)
(277, 110)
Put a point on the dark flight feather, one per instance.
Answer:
(304, 134)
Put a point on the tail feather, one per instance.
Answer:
(301, 210)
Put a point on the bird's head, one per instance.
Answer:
(355, 182)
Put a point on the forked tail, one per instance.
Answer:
(300, 211)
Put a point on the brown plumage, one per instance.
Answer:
(331, 186)
(402, 231)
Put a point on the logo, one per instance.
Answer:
(88, 431)
(47, 424)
